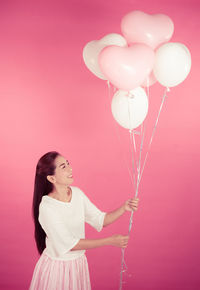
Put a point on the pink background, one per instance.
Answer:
(49, 100)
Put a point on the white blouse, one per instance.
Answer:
(64, 223)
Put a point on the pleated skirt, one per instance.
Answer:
(51, 274)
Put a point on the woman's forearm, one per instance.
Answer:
(113, 215)
(114, 240)
(85, 244)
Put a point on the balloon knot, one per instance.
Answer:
(131, 95)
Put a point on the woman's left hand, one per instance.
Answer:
(131, 204)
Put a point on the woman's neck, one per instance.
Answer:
(62, 195)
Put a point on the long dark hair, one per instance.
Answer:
(42, 186)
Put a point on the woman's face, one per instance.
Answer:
(63, 171)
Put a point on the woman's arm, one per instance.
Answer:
(114, 240)
(130, 204)
(113, 215)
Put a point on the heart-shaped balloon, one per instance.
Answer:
(92, 49)
(152, 30)
(126, 67)
(150, 80)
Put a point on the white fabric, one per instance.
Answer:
(64, 223)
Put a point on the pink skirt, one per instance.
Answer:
(50, 274)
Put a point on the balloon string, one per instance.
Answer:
(123, 265)
(131, 217)
(148, 88)
(147, 92)
(142, 134)
(123, 269)
(134, 143)
(118, 136)
(132, 159)
(139, 176)
(132, 140)
(154, 129)
(139, 166)
(143, 128)
(108, 83)
(132, 153)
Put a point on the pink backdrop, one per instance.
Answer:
(49, 100)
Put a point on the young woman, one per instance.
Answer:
(60, 212)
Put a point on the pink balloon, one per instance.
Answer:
(152, 30)
(126, 67)
(150, 80)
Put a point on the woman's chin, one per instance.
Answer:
(70, 180)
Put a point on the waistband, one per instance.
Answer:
(65, 259)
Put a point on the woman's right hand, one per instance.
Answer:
(119, 241)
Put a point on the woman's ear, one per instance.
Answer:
(51, 178)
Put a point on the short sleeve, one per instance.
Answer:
(59, 236)
(93, 215)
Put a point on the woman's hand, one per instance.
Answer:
(131, 204)
(118, 241)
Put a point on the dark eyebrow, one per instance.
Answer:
(63, 163)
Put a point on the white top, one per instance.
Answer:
(64, 223)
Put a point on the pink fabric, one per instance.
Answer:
(50, 274)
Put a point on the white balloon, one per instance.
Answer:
(93, 48)
(172, 64)
(129, 109)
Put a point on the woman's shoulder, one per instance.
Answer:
(45, 203)
(76, 189)
(49, 203)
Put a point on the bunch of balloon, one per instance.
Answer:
(132, 62)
